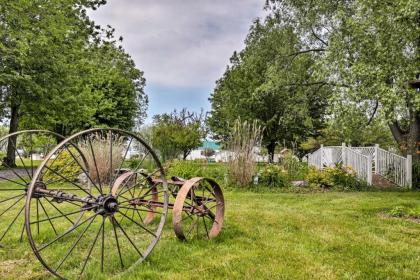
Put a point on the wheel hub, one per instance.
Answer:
(108, 205)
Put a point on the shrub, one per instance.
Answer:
(339, 177)
(403, 212)
(296, 170)
(190, 169)
(273, 175)
(65, 165)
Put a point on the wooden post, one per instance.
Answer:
(322, 156)
(343, 153)
(409, 174)
(369, 170)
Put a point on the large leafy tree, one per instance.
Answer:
(58, 70)
(271, 81)
(177, 133)
(370, 48)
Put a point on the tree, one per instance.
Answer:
(268, 81)
(370, 48)
(60, 71)
(176, 133)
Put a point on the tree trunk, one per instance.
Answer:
(185, 153)
(408, 141)
(270, 148)
(10, 159)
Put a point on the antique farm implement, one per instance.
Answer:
(97, 201)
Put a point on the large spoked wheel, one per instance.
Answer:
(198, 210)
(89, 224)
(21, 153)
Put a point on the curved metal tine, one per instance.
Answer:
(91, 248)
(84, 171)
(125, 156)
(24, 166)
(74, 245)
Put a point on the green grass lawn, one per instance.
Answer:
(279, 236)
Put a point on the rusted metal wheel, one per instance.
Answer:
(20, 154)
(90, 222)
(198, 210)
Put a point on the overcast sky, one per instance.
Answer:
(183, 46)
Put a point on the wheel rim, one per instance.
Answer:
(26, 146)
(198, 210)
(88, 224)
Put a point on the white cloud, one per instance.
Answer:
(181, 43)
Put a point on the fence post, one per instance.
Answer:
(408, 168)
(376, 158)
(321, 156)
(343, 153)
(369, 170)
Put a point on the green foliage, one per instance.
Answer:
(273, 175)
(60, 71)
(65, 165)
(403, 212)
(190, 169)
(369, 50)
(296, 169)
(265, 83)
(176, 133)
(338, 178)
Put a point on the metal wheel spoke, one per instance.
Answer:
(24, 166)
(70, 181)
(103, 244)
(74, 245)
(14, 182)
(45, 211)
(11, 224)
(65, 233)
(11, 206)
(94, 161)
(63, 215)
(129, 239)
(84, 171)
(122, 162)
(13, 170)
(91, 248)
(116, 239)
(149, 231)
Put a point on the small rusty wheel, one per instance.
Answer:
(198, 210)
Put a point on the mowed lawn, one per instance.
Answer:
(280, 236)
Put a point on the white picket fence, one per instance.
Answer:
(365, 161)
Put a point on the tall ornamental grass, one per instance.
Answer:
(244, 138)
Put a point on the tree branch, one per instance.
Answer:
(374, 112)
(319, 38)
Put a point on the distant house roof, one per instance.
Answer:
(207, 144)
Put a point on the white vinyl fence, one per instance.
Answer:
(365, 161)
